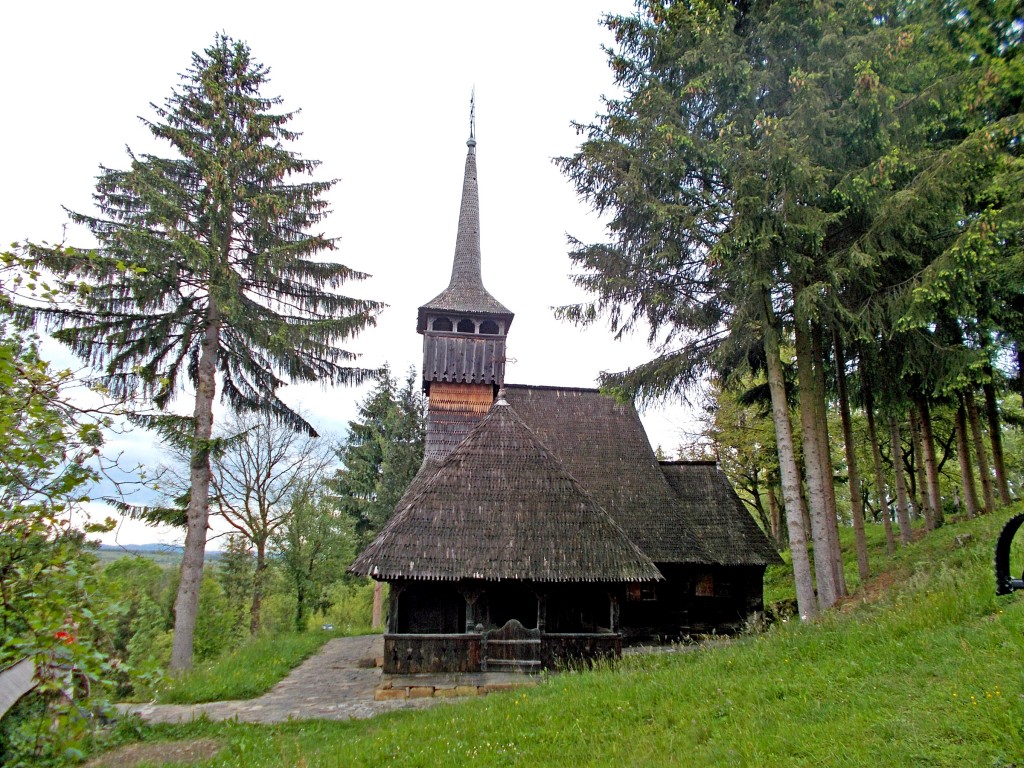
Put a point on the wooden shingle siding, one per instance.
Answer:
(718, 516)
(465, 293)
(454, 410)
(604, 446)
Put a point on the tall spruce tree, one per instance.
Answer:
(793, 167)
(223, 280)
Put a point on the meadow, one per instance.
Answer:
(922, 666)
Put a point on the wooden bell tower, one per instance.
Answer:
(464, 330)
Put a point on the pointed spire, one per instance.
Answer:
(466, 267)
(465, 291)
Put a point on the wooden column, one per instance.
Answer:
(393, 604)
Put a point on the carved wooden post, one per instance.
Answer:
(378, 605)
(393, 603)
(470, 594)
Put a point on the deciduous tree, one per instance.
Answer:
(49, 607)
(315, 546)
(256, 472)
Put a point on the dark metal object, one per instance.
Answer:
(1005, 583)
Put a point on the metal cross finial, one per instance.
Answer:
(472, 118)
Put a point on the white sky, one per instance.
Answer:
(384, 98)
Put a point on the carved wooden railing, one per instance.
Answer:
(512, 648)
(423, 653)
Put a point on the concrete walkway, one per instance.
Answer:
(331, 685)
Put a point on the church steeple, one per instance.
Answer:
(463, 331)
(465, 293)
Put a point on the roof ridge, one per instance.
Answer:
(554, 388)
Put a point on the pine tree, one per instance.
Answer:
(383, 452)
(206, 272)
(235, 571)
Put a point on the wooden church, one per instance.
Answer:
(541, 528)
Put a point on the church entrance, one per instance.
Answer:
(512, 601)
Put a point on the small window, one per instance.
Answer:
(705, 586)
(489, 327)
(644, 592)
(441, 324)
(466, 326)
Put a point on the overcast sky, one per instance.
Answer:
(384, 100)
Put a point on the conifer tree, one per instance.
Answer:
(383, 452)
(206, 273)
(800, 162)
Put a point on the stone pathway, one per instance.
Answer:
(330, 685)
(339, 683)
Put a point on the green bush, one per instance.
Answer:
(351, 610)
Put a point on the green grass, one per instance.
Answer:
(778, 582)
(245, 673)
(929, 673)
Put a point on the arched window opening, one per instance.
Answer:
(489, 327)
(466, 326)
(441, 324)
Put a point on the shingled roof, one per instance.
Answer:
(503, 506)
(603, 444)
(465, 293)
(716, 513)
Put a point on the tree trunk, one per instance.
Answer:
(788, 472)
(974, 420)
(900, 478)
(876, 460)
(824, 567)
(300, 609)
(923, 502)
(995, 434)
(827, 470)
(853, 474)
(186, 605)
(377, 620)
(258, 582)
(1020, 367)
(964, 455)
(910, 474)
(775, 515)
(931, 464)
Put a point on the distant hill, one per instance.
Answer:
(163, 554)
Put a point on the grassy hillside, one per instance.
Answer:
(924, 668)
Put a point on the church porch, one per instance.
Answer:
(504, 626)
